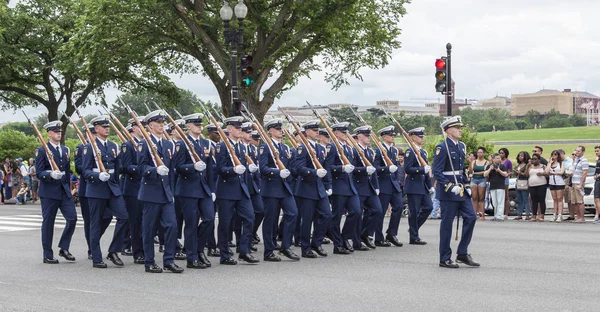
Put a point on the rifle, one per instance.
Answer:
(171, 120)
(127, 134)
(95, 150)
(388, 161)
(77, 131)
(224, 138)
(184, 137)
(311, 152)
(274, 152)
(40, 138)
(291, 138)
(408, 140)
(157, 161)
(340, 151)
(119, 134)
(361, 153)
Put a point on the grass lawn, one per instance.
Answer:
(571, 133)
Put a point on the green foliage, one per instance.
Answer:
(552, 113)
(533, 117)
(522, 124)
(469, 137)
(577, 120)
(15, 144)
(24, 127)
(556, 122)
(345, 114)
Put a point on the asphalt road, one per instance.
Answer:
(525, 267)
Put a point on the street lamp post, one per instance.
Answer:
(235, 38)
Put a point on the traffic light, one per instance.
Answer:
(441, 75)
(246, 70)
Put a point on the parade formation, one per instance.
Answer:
(167, 182)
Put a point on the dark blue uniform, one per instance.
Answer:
(233, 196)
(311, 194)
(156, 195)
(55, 195)
(344, 197)
(390, 191)
(277, 195)
(102, 195)
(194, 189)
(130, 186)
(417, 188)
(452, 204)
(367, 187)
(211, 242)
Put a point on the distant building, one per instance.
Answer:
(495, 102)
(566, 102)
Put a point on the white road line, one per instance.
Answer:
(80, 290)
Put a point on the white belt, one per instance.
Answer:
(107, 170)
(457, 172)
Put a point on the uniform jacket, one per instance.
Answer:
(190, 182)
(77, 159)
(417, 181)
(365, 184)
(309, 185)
(342, 182)
(441, 164)
(50, 188)
(131, 176)
(95, 188)
(230, 185)
(388, 182)
(155, 188)
(253, 178)
(271, 183)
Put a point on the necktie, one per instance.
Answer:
(57, 147)
(159, 146)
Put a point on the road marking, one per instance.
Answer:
(12, 223)
(80, 290)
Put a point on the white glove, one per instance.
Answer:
(455, 190)
(468, 191)
(393, 168)
(214, 196)
(56, 175)
(431, 190)
(162, 170)
(200, 166)
(103, 176)
(377, 192)
(321, 173)
(370, 170)
(239, 169)
(348, 168)
(329, 192)
(284, 173)
(427, 169)
(252, 168)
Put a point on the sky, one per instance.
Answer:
(499, 48)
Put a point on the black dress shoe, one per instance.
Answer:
(66, 254)
(254, 248)
(348, 246)
(362, 247)
(255, 239)
(203, 259)
(448, 264)
(383, 243)
(89, 256)
(288, 253)
(156, 240)
(309, 254)
(173, 268)
(213, 252)
(99, 265)
(127, 252)
(320, 251)
(161, 248)
(154, 269)
(195, 264)
(50, 260)
(180, 256)
(231, 253)
(248, 258)
(466, 259)
(229, 261)
(231, 244)
(394, 240)
(298, 244)
(114, 258)
(367, 241)
(139, 260)
(418, 242)
(272, 258)
(340, 251)
(277, 246)
(326, 241)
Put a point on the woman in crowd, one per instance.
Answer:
(554, 172)
(503, 152)
(478, 187)
(537, 187)
(522, 187)
(34, 180)
(20, 198)
(8, 176)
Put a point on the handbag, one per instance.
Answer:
(522, 185)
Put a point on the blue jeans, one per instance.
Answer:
(522, 202)
(435, 213)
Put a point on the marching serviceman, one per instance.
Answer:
(418, 187)
(324, 140)
(130, 186)
(156, 194)
(344, 196)
(233, 195)
(213, 138)
(55, 193)
(390, 190)
(454, 193)
(313, 189)
(277, 193)
(175, 137)
(195, 190)
(103, 191)
(367, 186)
(255, 142)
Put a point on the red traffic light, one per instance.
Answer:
(246, 59)
(440, 64)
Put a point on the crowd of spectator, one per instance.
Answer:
(18, 181)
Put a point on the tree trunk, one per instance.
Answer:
(225, 96)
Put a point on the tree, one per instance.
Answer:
(577, 120)
(533, 117)
(15, 144)
(552, 113)
(63, 51)
(345, 114)
(522, 124)
(24, 127)
(556, 122)
(287, 39)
